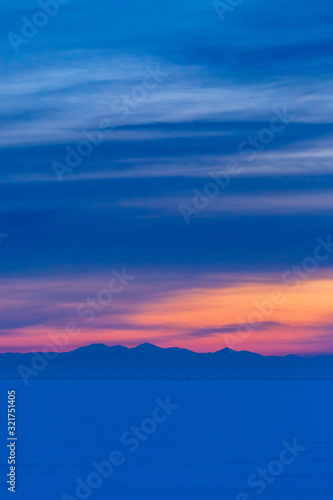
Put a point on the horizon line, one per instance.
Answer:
(311, 355)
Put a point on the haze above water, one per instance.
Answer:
(221, 434)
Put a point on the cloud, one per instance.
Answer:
(232, 328)
(223, 83)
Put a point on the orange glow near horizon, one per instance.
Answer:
(242, 316)
(292, 324)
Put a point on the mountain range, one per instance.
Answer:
(150, 361)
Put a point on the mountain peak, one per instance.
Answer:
(93, 347)
(146, 346)
(225, 350)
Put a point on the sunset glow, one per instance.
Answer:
(263, 315)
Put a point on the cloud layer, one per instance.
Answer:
(112, 118)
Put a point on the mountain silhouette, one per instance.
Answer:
(149, 361)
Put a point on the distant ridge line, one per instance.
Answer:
(148, 361)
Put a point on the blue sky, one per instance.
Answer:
(216, 85)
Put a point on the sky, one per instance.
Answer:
(166, 175)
